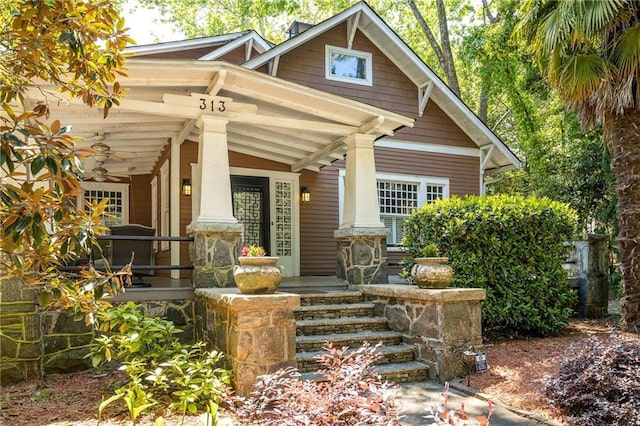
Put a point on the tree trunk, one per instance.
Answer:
(450, 69)
(625, 164)
(483, 106)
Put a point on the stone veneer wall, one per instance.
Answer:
(442, 323)
(36, 342)
(20, 335)
(362, 255)
(256, 333)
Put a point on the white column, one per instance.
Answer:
(214, 180)
(361, 209)
(174, 196)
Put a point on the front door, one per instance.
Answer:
(266, 206)
(251, 208)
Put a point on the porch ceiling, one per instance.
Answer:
(268, 117)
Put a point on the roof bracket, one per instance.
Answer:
(273, 66)
(485, 155)
(249, 49)
(352, 26)
(217, 82)
(423, 97)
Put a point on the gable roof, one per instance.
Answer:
(496, 155)
(218, 45)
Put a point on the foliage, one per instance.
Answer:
(430, 250)
(253, 250)
(510, 245)
(590, 52)
(160, 368)
(443, 415)
(599, 385)
(58, 50)
(351, 394)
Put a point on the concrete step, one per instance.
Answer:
(340, 325)
(397, 373)
(314, 343)
(392, 354)
(330, 298)
(312, 312)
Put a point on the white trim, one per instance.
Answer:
(107, 186)
(247, 40)
(352, 27)
(165, 214)
(368, 57)
(295, 179)
(423, 97)
(428, 147)
(175, 198)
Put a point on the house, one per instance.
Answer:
(218, 137)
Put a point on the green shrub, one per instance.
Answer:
(512, 246)
(161, 369)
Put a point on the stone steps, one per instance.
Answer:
(344, 319)
(311, 312)
(344, 325)
(390, 354)
(398, 373)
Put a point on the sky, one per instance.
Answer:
(145, 26)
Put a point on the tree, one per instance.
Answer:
(590, 52)
(77, 46)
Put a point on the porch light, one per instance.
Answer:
(186, 187)
(305, 195)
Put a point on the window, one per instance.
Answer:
(117, 211)
(348, 65)
(164, 205)
(398, 196)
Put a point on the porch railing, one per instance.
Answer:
(136, 266)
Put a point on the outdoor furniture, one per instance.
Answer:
(142, 250)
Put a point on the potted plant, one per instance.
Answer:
(257, 273)
(431, 270)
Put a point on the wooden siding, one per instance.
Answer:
(318, 221)
(140, 200)
(236, 56)
(391, 89)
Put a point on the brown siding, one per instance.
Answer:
(140, 200)
(463, 171)
(391, 89)
(318, 220)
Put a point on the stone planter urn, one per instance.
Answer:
(257, 274)
(432, 272)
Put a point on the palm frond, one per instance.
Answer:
(580, 75)
(626, 53)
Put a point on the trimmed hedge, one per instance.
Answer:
(512, 246)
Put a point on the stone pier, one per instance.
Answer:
(214, 251)
(257, 333)
(442, 323)
(362, 255)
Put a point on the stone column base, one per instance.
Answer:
(214, 251)
(257, 333)
(362, 255)
(442, 323)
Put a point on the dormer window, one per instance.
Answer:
(349, 66)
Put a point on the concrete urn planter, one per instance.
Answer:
(257, 274)
(432, 272)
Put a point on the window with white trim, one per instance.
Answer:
(400, 195)
(117, 210)
(347, 65)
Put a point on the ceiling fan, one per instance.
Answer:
(103, 152)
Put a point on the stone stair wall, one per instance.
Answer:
(344, 319)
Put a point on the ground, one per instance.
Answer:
(517, 369)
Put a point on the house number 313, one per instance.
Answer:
(215, 105)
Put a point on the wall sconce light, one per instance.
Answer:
(305, 195)
(186, 187)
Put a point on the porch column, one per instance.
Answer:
(362, 238)
(217, 235)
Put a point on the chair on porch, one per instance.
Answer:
(121, 250)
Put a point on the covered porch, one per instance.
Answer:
(228, 111)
